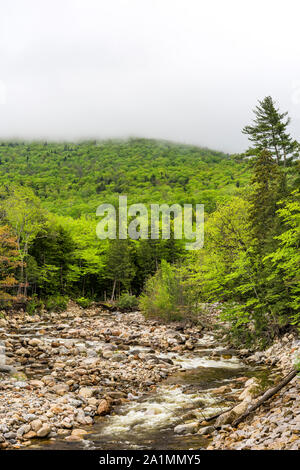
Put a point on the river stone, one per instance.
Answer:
(86, 392)
(37, 383)
(241, 408)
(29, 435)
(23, 352)
(23, 430)
(7, 369)
(118, 357)
(226, 418)
(73, 438)
(188, 428)
(19, 384)
(35, 342)
(78, 432)
(221, 390)
(44, 430)
(107, 354)
(103, 407)
(3, 322)
(206, 430)
(36, 424)
(60, 389)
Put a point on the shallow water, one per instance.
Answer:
(148, 421)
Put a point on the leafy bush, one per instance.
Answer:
(128, 302)
(166, 295)
(35, 305)
(56, 303)
(84, 302)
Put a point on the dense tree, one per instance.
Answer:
(269, 132)
(52, 252)
(26, 217)
(9, 262)
(268, 187)
(119, 266)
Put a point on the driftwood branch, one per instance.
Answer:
(268, 394)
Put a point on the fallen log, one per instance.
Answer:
(268, 394)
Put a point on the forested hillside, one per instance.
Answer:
(49, 251)
(50, 192)
(73, 179)
(251, 256)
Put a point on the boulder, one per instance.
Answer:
(60, 389)
(206, 430)
(23, 352)
(35, 342)
(78, 432)
(241, 408)
(36, 425)
(188, 428)
(226, 418)
(44, 430)
(104, 407)
(7, 369)
(86, 392)
(37, 383)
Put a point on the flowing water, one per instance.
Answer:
(148, 420)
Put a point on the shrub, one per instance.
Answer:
(165, 295)
(56, 303)
(35, 305)
(128, 302)
(84, 302)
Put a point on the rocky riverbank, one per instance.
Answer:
(87, 376)
(276, 424)
(60, 371)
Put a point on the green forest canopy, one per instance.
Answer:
(73, 179)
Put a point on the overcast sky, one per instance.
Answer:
(184, 70)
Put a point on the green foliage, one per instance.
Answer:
(84, 302)
(119, 266)
(50, 192)
(286, 259)
(128, 302)
(250, 262)
(35, 305)
(72, 179)
(269, 132)
(56, 303)
(251, 257)
(166, 296)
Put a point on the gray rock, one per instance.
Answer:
(44, 430)
(206, 430)
(7, 369)
(188, 428)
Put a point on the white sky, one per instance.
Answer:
(184, 70)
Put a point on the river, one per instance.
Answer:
(189, 395)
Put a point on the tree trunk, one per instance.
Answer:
(113, 291)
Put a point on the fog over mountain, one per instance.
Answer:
(188, 71)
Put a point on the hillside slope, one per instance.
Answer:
(74, 178)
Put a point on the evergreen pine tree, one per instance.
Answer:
(268, 183)
(269, 132)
